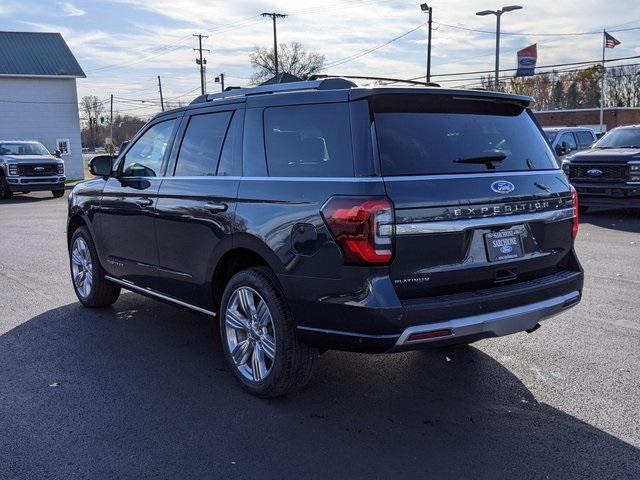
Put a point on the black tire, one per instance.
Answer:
(57, 193)
(293, 362)
(5, 193)
(102, 293)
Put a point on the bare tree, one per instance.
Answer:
(91, 106)
(623, 86)
(292, 59)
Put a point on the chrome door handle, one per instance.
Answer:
(216, 207)
(144, 202)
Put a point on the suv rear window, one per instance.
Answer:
(443, 134)
(308, 141)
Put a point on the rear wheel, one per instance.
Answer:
(57, 193)
(5, 193)
(91, 288)
(259, 337)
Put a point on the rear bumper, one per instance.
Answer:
(594, 194)
(494, 324)
(36, 184)
(376, 328)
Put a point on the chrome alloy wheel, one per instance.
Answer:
(81, 267)
(250, 334)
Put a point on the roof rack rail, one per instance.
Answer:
(320, 84)
(380, 79)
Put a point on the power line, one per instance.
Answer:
(373, 49)
(565, 34)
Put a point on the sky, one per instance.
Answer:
(123, 45)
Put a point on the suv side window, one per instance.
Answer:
(308, 141)
(201, 144)
(144, 158)
(230, 159)
(585, 139)
(570, 140)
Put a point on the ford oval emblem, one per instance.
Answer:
(506, 249)
(503, 187)
(594, 172)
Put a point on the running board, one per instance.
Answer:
(152, 293)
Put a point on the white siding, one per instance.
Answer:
(43, 109)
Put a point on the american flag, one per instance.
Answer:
(609, 41)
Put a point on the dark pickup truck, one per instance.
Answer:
(608, 174)
(29, 167)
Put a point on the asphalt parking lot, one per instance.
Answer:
(140, 390)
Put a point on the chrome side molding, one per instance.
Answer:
(461, 225)
(152, 293)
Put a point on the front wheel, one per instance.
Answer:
(92, 289)
(57, 193)
(259, 337)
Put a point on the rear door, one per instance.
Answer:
(479, 200)
(197, 201)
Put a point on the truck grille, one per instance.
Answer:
(610, 173)
(37, 170)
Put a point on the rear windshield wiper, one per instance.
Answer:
(483, 159)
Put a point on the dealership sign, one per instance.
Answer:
(527, 58)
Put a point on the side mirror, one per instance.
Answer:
(101, 165)
(562, 149)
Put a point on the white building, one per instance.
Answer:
(38, 97)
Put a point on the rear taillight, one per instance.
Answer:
(576, 211)
(362, 227)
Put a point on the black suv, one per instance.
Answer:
(608, 174)
(319, 215)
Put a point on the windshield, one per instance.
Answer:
(438, 134)
(23, 148)
(551, 135)
(620, 138)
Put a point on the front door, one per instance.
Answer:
(124, 223)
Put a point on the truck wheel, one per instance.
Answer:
(5, 193)
(92, 289)
(57, 193)
(259, 338)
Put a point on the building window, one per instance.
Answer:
(62, 146)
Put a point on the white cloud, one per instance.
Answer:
(71, 10)
(154, 37)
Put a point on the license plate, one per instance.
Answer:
(504, 245)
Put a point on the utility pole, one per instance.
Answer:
(428, 10)
(111, 125)
(274, 16)
(220, 80)
(603, 80)
(160, 88)
(201, 61)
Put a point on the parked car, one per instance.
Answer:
(608, 174)
(29, 167)
(565, 141)
(319, 215)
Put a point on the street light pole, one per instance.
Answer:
(428, 10)
(498, 14)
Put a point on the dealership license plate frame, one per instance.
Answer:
(511, 237)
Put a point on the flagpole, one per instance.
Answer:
(602, 82)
